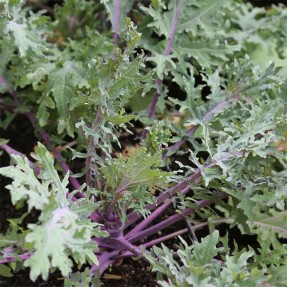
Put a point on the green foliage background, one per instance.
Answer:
(222, 92)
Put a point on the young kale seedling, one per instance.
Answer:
(188, 83)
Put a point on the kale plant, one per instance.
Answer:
(194, 91)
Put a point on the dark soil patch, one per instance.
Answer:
(129, 273)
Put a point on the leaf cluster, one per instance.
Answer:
(194, 91)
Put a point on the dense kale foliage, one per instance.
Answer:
(199, 85)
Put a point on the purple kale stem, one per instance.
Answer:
(154, 215)
(126, 254)
(182, 231)
(120, 189)
(88, 165)
(116, 20)
(109, 209)
(11, 259)
(91, 147)
(45, 138)
(10, 151)
(151, 109)
(108, 259)
(164, 238)
(133, 217)
(173, 28)
(154, 101)
(7, 107)
(104, 262)
(220, 106)
(5, 86)
(153, 106)
(126, 244)
(172, 219)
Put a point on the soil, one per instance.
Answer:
(129, 274)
